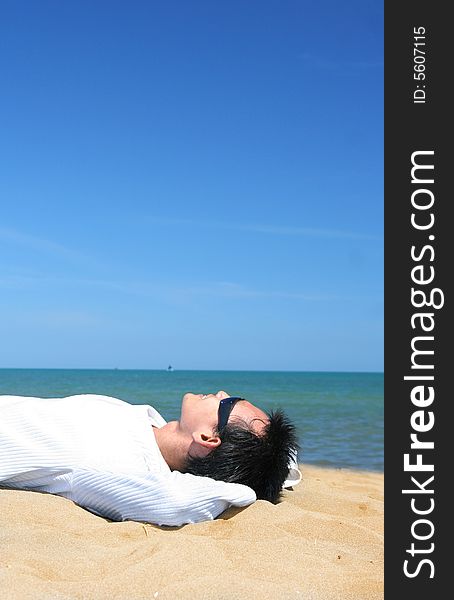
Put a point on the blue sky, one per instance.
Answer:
(195, 183)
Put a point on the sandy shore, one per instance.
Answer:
(324, 541)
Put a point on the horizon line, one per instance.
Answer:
(185, 370)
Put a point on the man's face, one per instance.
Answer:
(199, 412)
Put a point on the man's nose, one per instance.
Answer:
(221, 395)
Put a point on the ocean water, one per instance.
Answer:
(339, 416)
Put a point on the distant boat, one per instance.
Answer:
(170, 368)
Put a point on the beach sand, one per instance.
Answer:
(324, 541)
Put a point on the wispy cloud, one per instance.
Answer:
(308, 231)
(220, 289)
(31, 241)
(236, 290)
(281, 230)
(39, 244)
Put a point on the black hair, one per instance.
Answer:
(257, 460)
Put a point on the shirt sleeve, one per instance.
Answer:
(163, 499)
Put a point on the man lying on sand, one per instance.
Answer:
(125, 462)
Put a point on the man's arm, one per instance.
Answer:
(173, 499)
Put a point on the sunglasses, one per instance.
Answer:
(225, 408)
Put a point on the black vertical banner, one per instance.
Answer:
(419, 249)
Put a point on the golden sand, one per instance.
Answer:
(323, 541)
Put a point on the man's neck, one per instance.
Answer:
(171, 445)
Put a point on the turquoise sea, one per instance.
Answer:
(339, 416)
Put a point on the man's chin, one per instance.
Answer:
(192, 396)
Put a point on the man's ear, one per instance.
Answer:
(203, 443)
